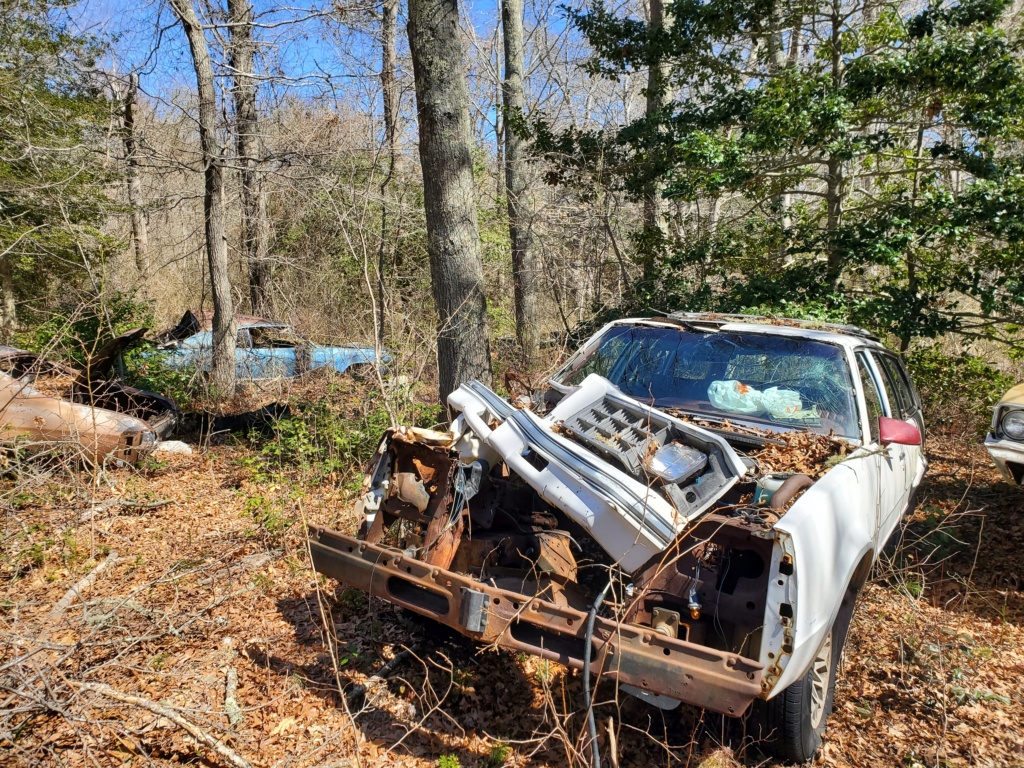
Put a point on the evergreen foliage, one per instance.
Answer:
(54, 120)
(840, 159)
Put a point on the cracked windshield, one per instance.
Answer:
(779, 382)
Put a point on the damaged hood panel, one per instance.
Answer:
(630, 475)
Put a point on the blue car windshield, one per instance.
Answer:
(781, 382)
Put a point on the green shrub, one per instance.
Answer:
(146, 367)
(448, 761)
(958, 390)
(498, 755)
(326, 441)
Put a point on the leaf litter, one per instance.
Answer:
(203, 590)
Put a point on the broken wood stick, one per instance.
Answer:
(84, 583)
(378, 677)
(95, 510)
(158, 709)
(231, 708)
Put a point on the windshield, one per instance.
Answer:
(777, 380)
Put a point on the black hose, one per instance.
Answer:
(589, 638)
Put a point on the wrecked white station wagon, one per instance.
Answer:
(688, 510)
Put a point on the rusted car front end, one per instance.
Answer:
(506, 528)
(689, 509)
(38, 422)
(95, 386)
(651, 659)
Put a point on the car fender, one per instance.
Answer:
(826, 533)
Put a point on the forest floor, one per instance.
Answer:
(205, 639)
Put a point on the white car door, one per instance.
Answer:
(906, 459)
(891, 474)
(906, 406)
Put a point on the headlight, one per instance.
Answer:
(1012, 424)
(676, 462)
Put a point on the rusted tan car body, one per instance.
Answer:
(31, 419)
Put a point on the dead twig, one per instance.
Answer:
(378, 677)
(94, 511)
(158, 709)
(84, 583)
(231, 708)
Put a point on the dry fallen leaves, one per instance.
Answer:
(931, 674)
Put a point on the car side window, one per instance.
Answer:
(896, 382)
(871, 395)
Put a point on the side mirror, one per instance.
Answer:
(894, 431)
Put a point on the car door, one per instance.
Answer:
(889, 469)
(904, 405)
(247, 363)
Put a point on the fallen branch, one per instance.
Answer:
(231, 708)
(158, 709)
(84, 583)
(377, 678)
(94, 511)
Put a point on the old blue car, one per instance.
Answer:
(264, 349)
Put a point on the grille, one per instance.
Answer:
(618, 431)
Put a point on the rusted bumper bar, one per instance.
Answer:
(634, 655)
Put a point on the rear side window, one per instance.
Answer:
(871, 395)
(896, 382)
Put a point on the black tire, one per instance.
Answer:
(790, 725)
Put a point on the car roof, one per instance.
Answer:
(262, 324)
(849, 336)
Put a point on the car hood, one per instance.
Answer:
(101, 364)
(590, 457)
(1014, 397)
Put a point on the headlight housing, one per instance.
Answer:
(1011, 424)
(676, 463)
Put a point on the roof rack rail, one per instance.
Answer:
(719, 318)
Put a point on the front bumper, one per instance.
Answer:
(1008, 456)
(625, 653)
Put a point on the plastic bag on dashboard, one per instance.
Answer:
(735, 397)
(781, 403)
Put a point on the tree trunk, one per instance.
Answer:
(500, 119)
(249, 145)
(453, 241)
(140, 233)
(8, 306)
(834, 181)
(520, 219)
(389, 89)
(223, 374)
(833, 216)
(912, 278)
(657, 98)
